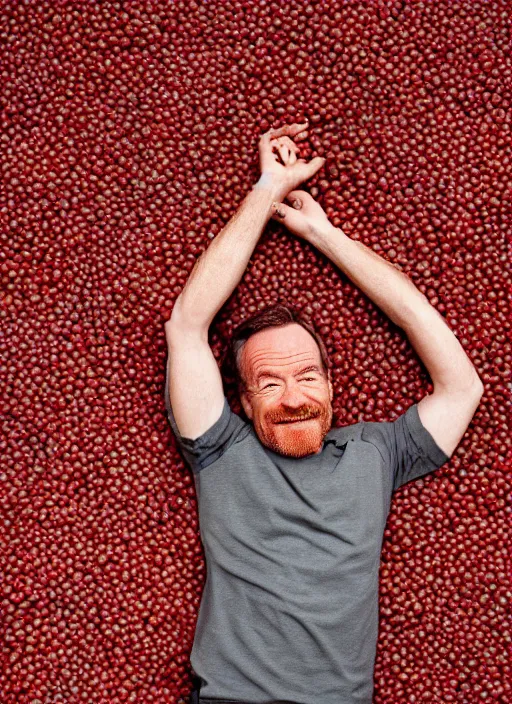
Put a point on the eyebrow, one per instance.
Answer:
(271, 374)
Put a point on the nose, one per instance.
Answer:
(293, 397)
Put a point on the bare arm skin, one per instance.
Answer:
(219, 269)
(447, 412)
(194, 382)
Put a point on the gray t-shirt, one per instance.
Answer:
(289, 610)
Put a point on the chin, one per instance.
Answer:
(298, 454)
(294, 443)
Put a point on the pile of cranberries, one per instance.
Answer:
(128, 138)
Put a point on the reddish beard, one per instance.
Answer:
(295, 439)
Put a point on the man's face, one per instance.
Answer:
(281, 389)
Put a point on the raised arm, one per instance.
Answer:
(219, 269)
(447, 412)
(194, 392)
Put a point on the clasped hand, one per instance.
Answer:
(305, 216)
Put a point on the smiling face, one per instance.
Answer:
(288, 396)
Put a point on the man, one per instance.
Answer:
(292, 512)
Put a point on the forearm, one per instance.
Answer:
(396, 295)
(219, 269)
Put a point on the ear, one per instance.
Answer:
(329, 382)
(246, 404)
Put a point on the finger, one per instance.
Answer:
(295, 203)
(297, 193)
(266, 141)
(273, 134)
(287, 129)
(298, 199)
(274, 151)
(284, 153)
(293, 158)
(313, 166)
(286, 141)
(292, 219)
(279, 210)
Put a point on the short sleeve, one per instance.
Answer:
(214, 442)
(406, 446)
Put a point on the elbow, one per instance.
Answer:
(479, 387)
(181, 324)
(178, 318)
(474, 387)
(476, 392)
(468, 386)
(175, 313)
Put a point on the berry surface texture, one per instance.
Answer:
(128, 139)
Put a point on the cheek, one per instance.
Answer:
(264, 408)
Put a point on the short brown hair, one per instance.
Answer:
(274, 316)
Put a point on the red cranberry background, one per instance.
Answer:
(128, 138)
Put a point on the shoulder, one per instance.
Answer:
(228, 430)
(380, 434)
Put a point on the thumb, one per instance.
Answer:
(314, 166)
(296, 198)
(290, 216)
(279, 210)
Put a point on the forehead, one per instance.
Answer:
(284, 347)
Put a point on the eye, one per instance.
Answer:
(267, 385)
(309, 378)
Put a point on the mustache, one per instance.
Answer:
(302, 414)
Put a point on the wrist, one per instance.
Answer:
(267, 182)
(263, 198)
(325, 232)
